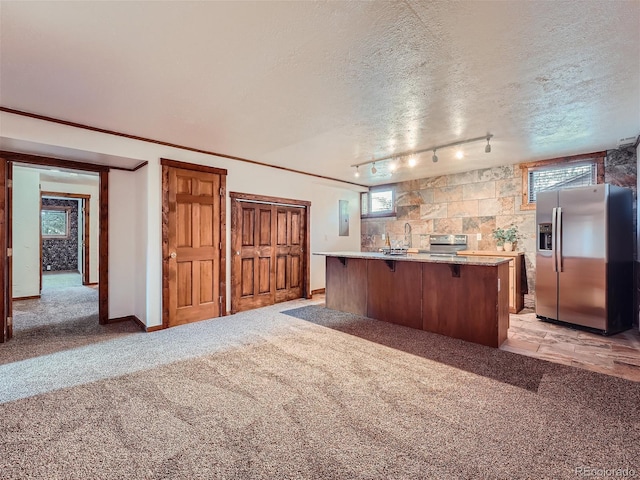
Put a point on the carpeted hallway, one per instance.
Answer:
(299, 391)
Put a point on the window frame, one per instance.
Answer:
(379, 188)
(596, 158)
(56, 208)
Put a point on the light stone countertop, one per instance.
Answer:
(421, 257)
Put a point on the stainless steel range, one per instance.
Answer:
(445, 244)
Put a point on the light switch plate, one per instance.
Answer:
(478, 236)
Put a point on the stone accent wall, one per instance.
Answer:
(476, 202)
(61, 254)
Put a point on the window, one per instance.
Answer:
(55, 222)
(378, 202)
(557, 173)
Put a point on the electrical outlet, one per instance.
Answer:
(383, 236)
(478, 236)
(48, 267)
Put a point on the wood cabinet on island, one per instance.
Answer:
(460, 297)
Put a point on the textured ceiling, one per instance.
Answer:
(317, 86)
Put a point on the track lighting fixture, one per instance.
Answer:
(412, 156)
(357, 174)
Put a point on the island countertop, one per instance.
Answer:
(420, 257)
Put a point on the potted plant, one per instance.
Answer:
(498, 234)
(510, 235)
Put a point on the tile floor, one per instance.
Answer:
(617, 355)
(60, 280)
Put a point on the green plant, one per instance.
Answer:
(498, 234)
(508, 235)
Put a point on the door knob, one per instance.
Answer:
(238, 253)
(173, 255)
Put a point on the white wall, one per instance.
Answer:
(26, 232)
(93, 190)
(141, 240)
(122, 255)
(144, 217)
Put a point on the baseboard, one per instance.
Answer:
(317, 291)
(155, 328)
(32, 297)
(133, 318)
(91, 284)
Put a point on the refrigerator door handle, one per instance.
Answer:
(559, 241)
(554, 229)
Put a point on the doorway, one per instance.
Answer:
(270, 250)
(7, 160)
(73, 253)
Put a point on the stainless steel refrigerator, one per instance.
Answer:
(584, 257)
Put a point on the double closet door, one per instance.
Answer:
(269, 258)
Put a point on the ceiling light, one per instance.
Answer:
(412, 155)
(357, 174)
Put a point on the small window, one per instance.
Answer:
(559, 173)
(378, 202)
(55, 222)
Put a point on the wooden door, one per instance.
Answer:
(269, 251)
(289, 253)
(252, 264)
(194, 245)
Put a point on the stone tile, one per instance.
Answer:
(432, 182)
(476, 191)
(463, 178)
(496, 206)
(495, 173)
(421, 227)
(434, 210)
(395, 227)
(622, 176)
(447, 194)
(427, 195)
(509, 187)
(467, 208)
(523, 333)
(614, 355)
(630, 372)
(409, 212)
(521, 344)
(373, 227)
(447, 225)
(404, 199)
(483, 225)
(408, 186)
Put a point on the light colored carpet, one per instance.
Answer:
(310, 394)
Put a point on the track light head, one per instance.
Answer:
(357, 173)
(374, 170)
(435, 157)
(487, 149)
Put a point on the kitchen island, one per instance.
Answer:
(457, 296)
